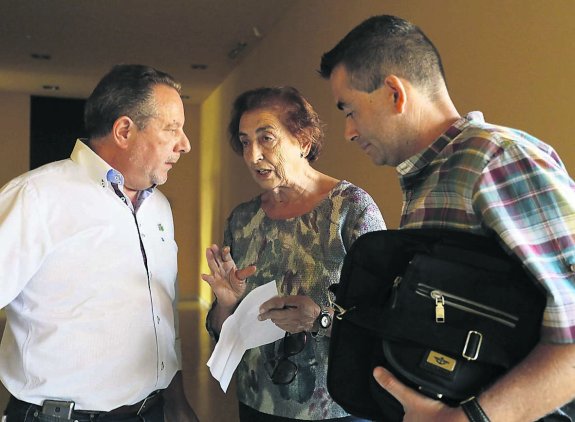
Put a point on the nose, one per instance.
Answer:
(252, 153)
(184, 145)
(350, 131)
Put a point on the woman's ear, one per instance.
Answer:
(121, 130)
(305, 145)
(305, 149)
(398, 91)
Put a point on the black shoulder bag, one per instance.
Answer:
(447, 312)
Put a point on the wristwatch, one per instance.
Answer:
(324, 321)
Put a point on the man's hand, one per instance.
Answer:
(417, 407)
(535, 387)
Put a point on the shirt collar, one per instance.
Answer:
(99, 170)
(420, 160)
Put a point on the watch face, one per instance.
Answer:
(325, 321)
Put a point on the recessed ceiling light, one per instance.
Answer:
(41, 56)
(51, 87)
(198, 66)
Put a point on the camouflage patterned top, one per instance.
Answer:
(304, 255)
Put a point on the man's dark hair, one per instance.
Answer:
(381, 46)
(127, 90)
(295, 112)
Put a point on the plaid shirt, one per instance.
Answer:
(485, 178)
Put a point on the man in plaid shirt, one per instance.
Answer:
(461, 173)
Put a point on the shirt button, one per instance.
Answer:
(158, 319)
(162, 365)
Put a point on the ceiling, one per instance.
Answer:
(71, 44)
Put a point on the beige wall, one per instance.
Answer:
(512, 59)
(14, 135)
(182, 190)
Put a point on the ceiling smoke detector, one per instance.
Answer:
(236, 51)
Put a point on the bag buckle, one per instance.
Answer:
(472, 345)
(339, 311)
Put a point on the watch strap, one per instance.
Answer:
(473, 411)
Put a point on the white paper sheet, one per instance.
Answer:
(242, 331)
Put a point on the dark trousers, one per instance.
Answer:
(19, 411)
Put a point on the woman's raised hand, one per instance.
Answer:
(227, 282)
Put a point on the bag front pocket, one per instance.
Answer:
(444, 299)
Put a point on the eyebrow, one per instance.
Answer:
(258, 130)
(173, 124)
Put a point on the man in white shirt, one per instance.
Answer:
(89, 265)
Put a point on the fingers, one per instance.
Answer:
(244, 273)
(212, 258)
(276, 302)
(416, 406)
(292, 313)
(386, 380)
(286, 318)
(405, 395)
(226, 255)
(281, 313)
(219, 261)
(226, 281)
(212, 251)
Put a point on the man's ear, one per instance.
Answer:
(122, 129)
(398, 91)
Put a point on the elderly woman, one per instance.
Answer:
(296, 232)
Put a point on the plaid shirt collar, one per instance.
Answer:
(416, 163)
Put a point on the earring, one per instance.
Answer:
(301, 154)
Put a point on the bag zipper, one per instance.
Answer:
(443, 298)
(394, 288)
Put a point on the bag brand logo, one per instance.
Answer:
(442, 361)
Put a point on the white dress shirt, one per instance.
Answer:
(86, 321)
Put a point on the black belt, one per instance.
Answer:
(134, 409)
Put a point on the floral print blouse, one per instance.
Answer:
(304, 255)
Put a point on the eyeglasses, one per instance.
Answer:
(280, 369)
